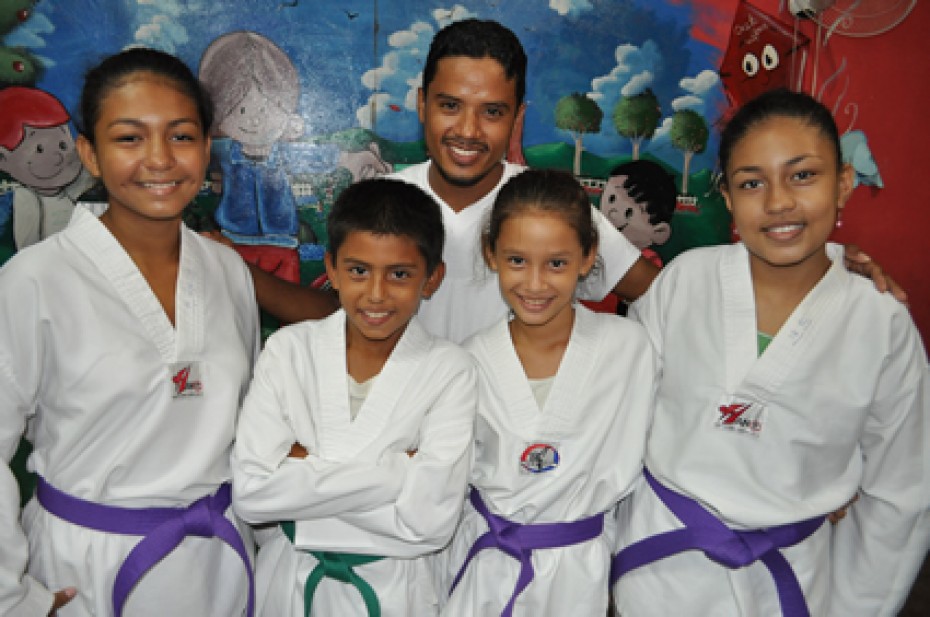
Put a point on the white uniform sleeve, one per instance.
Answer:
(398, 507)
(879, 548)
(20, 367)
(269, 487)
(423, 517)
(617, 256)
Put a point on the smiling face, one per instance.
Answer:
(784, 188)
(539, 260)
(257, 122)
(150, 149)
(46, 159)
(624, 213)
(468, 112)
(381, 279)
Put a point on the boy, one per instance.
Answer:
(359, 427)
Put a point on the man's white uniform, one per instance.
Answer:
(357, 491)
(87, 361)
(596, 417)
(469, 300)
(837, 403)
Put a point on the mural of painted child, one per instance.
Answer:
(255, 89)
(639, 199)
(37, 150)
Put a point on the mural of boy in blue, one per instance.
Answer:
(255, 89)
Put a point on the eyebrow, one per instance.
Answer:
(449, 97)
(790, 162)
(353, 261)
(139, 123)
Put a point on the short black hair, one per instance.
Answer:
(384, 206)
(647, 182)
(476, 38)
(778, 103)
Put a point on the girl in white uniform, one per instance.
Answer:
(788, 387)
(565, 396)
(126, 346)
(357, 429)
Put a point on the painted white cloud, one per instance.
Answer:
(705, 85)
(637, 69)
(158, 24)
(570, 7)
(395, 82)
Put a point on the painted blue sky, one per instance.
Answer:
(606, 48)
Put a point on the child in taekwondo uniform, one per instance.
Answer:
(565, 397)
(788, 386)
(356, 432)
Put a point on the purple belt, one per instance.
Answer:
(730, 548)
(163, 530)
(519, 541)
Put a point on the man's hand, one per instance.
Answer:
(61, 598)
(836, 517)
(857, 261)
(297, 451)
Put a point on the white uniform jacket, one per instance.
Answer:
(358, 491)
(87, 360)
(837, 404)
(469, 299)
(596, 417)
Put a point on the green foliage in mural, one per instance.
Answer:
(636, 118)
(689, 134)
(578, 114)
(17, 66)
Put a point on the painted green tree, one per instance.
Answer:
(689, 134)
(17, 66)
(578, 114)
(636, 118)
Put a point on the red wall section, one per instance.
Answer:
(889, 82)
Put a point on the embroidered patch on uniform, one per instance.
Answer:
(741, 416)
(185, 379)
(539, 458)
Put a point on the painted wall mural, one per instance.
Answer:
(312, 96)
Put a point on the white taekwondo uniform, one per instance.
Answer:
(357, 491)
(837, 403)
(469, 299)
(87, 357)
(596, 417)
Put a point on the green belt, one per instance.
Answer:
(337, 566)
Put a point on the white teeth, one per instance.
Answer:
(159, 185)
(460, 152)
(371, 315)
(785, 228)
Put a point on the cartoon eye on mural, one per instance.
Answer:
(763, 53)
(255, 89)
(37, 150)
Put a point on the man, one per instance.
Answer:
(474, 81)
